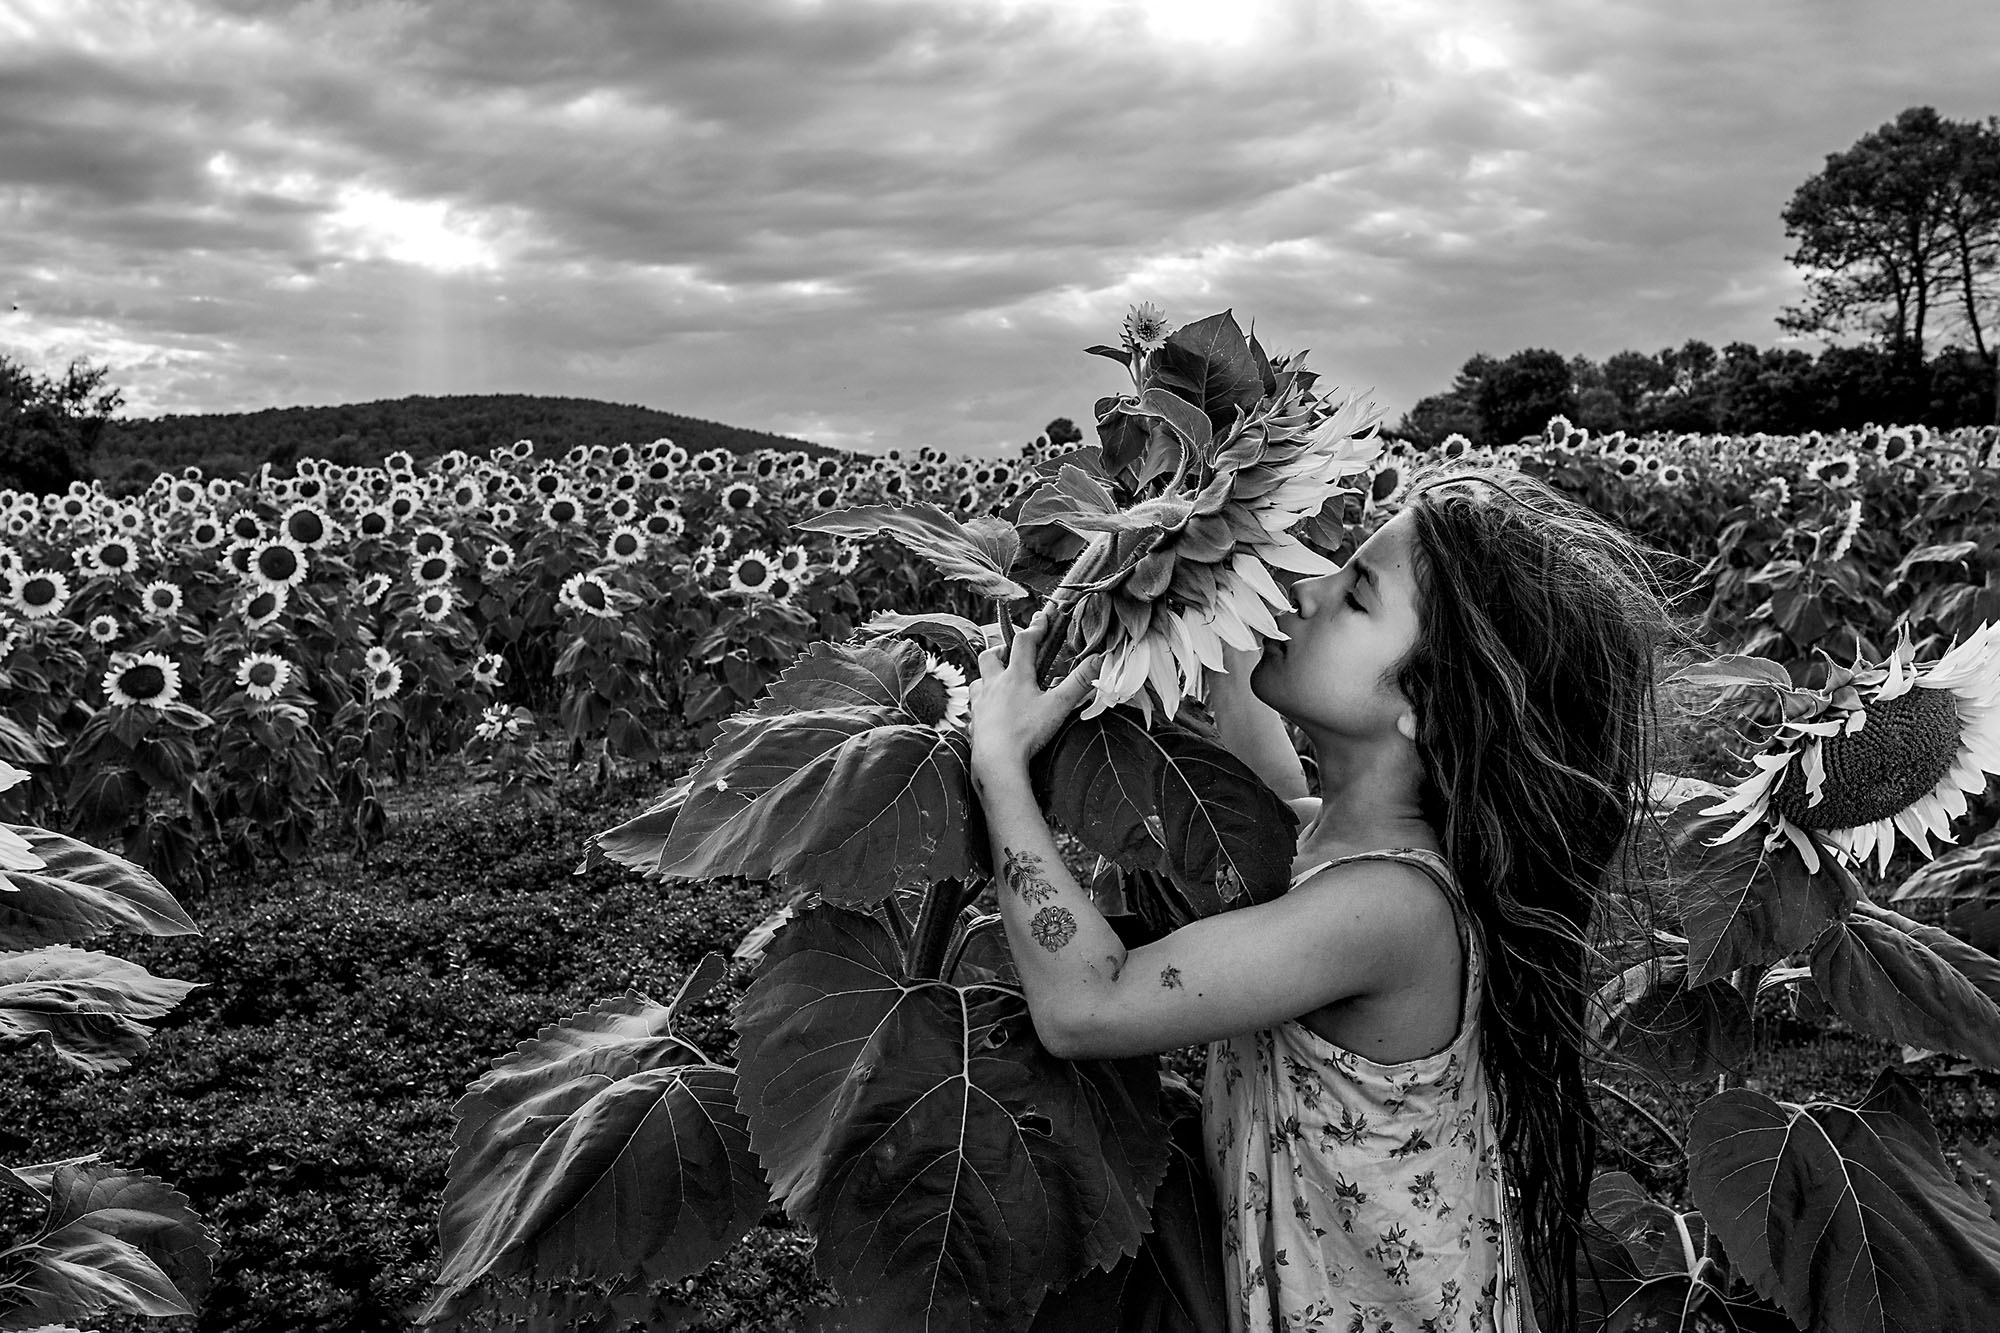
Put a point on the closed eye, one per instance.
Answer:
(1351, 602)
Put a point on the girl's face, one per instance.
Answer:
(1351, 627)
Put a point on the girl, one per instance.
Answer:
(1394, 1106)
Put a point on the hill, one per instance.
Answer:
(236, 443)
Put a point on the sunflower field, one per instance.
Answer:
(242, 664)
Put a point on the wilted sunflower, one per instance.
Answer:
(148, 679)
(1879, 748)
(278, 564)
(940, 699)
(39, 594)
(486, 668)
(263, 676)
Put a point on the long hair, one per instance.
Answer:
(1543, 630)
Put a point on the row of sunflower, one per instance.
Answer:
(228, 658)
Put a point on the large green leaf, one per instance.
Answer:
(112, 1239)
(1661, 1275)
(1169, 798)
(1743, 905)
(1900, 979)
(1848, 1217)
(1175, 1283)
(637, 843)
(952, 1170)
(853, 802)
(90, 1007)
(1670, 1029)
(605, 1146)
(1960, 875)
(1209, 363)
(977, 556)
(81, 891)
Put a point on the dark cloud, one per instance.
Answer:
(897, 223)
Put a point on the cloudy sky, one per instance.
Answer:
(898, 222)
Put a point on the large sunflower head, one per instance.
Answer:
(142, 679)
(940, 699)
(1878, 748)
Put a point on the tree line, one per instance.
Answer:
(1898, 241)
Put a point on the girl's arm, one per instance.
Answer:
(1251, 729)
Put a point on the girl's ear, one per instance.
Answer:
(1407, 724)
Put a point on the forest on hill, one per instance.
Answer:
(226, 444)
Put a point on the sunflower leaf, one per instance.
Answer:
(961, 555)
(952, 1169)
(1743, 905)
(1209, 363)
(1846, 1216)
(1896, 978)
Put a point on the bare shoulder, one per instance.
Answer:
(1396, 903)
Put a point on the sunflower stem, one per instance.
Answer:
(1083, 570)
(935, 924)
(1673, 1139)
(1006, 620)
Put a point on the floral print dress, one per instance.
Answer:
(1360, 1197)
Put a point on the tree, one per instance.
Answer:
(1901, 234)
(1522, 393)
(49, 428)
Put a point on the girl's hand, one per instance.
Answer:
(1012, 716)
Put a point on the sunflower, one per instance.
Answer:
(1878, 748)
(160, 599)
(263, 676)
(436, 603)
(16, 852)
(1850, 523)
(739, 497)
(940, 699)
(385, 682)
(205, 533)
(245, 526)
(1205, 580)
(39, 594)
(377, 657)
(149, 679)
(793, 559)
(103, 629)
(665, 525)
(374, 522)
(373, 588)
(703, 564)
(307, 526)
(780, 588)
(114, 555)
(1145, 328)
(562, 510)
(262, 606)
(430, 571)
(279, 564)
(753, 572)
(486, 668)
(625, 546)
(499, 558)
(847, 561)
(588, 593)
(1836, 471)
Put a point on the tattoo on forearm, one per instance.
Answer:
(1053, 927)
(1023, 872)
(1170, 977)
(1117, 965)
